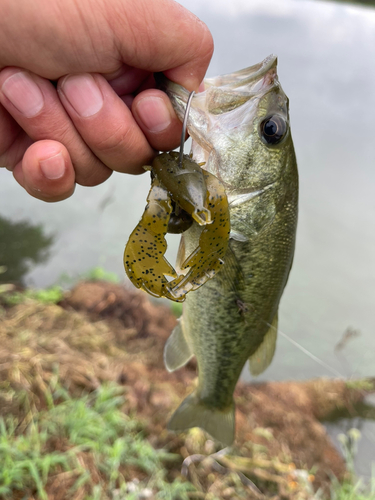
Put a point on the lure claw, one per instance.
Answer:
(203, 197)
(144, 259)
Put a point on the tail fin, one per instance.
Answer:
(194, 413)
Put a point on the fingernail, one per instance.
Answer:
(154, 114)
(201, 87)
(23, 93)
(83, 94)
(53, 167)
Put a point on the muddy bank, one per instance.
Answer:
(104, 332)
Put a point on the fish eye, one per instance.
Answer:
(273, 129)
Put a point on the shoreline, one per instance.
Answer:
(101, 333)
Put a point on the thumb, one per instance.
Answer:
(99, 36)
(164, 36)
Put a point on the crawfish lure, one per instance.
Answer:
(180, 195)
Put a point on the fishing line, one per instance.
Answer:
(308, 353)
(184, 125)
(365, 432)
(320, 362)
(312, 356)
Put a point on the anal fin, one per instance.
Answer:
(177, 351)
(262, 357)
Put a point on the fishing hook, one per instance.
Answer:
(184, 125)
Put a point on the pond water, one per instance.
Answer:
(326, 53)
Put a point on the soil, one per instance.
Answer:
(102, 332)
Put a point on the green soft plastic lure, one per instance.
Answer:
(179, 197)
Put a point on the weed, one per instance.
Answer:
(351, 489)
(88, 442)
(94, 274)
(51, 295)
(360, 385)
(100, 274)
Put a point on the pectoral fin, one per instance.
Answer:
(262, 357)
(177, 351)
(231, 277)
(236, 235)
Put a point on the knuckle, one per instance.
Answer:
(119, 138)
(52, 127)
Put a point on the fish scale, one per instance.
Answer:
(241, 132)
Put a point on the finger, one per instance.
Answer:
(126, 80)
(13, 141)
(14, 154)
(105, 122)
(33, 102)
(9, 130)
(46, 171)
(75, 37)
(178, 44)
(154, 114)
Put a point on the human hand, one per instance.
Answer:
(104, 114)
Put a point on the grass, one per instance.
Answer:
(55, 293)
(352, 491)
(74, 436)
(361, 385)
(51, 295)
(100, 274)
(95, 274)
(352, 488)
(86, 446)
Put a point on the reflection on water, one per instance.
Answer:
(326, 68)
(22, 246)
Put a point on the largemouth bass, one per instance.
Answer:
(241, 134)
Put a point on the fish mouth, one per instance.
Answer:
(223, 116)
(226, 108)
(235, 88)
(262, 74)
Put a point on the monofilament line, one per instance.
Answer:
(311, 355)
(308, 353)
